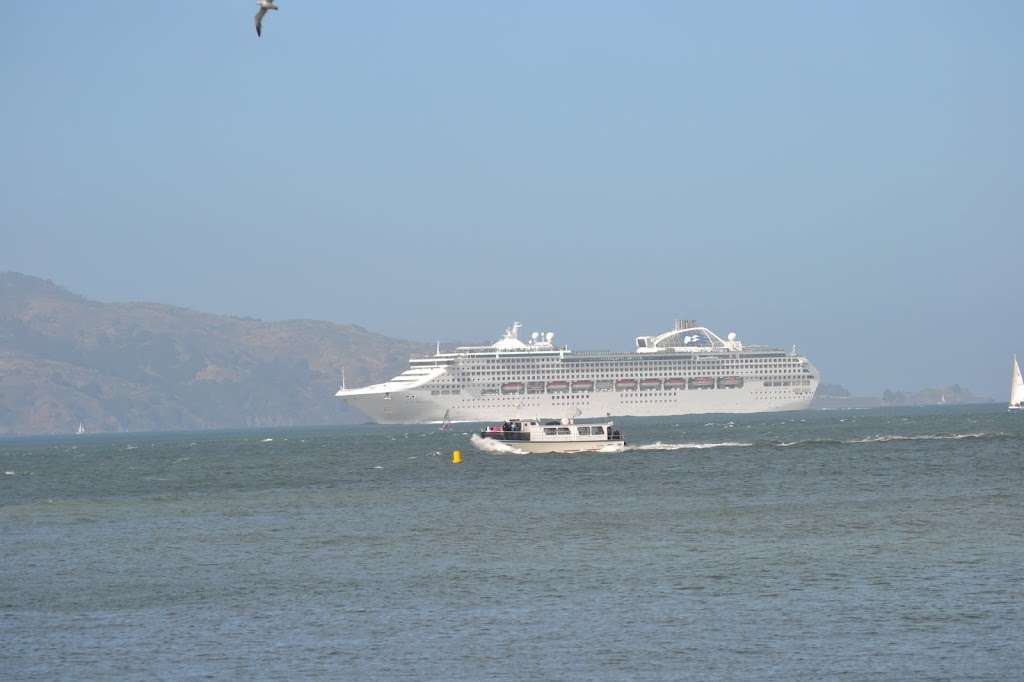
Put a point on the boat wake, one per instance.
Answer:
(952, 436)
(895, 438)
(492, 445)
(658, 445)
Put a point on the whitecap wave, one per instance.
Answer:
(492, 445)
(267, 440)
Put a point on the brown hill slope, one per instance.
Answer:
(145, 366)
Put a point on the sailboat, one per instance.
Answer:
(446, 421)
(81, 427)
(1016, 389)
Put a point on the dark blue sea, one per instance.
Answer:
(877, 544)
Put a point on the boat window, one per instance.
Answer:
(598, 430)
(549, 431)
(563, 431)
(583, 430)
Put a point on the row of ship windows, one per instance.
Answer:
(665, 375)
(650, 370)
(607, 377)
(633, 365)
(732, 382)
(551, 359)
(708, 360)
(612, 374)
(637, 400)
(702, 383)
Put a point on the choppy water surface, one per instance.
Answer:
(881, 544)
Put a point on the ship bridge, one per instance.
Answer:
(511, 343)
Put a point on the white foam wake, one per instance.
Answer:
(881, 438)
(952, 436)
(658, 445)
(492, 445)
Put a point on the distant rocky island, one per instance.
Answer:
(65, 360)
(832, 396)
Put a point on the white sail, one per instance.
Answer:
(1016, 386)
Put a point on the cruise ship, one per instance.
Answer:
(687, 370)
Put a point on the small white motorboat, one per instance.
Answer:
(553, 435)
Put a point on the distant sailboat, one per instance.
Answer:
(1016, 388)
(81, 426)
(446, 421)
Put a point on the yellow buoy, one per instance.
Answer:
(457, 457)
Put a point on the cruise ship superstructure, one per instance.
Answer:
(688, 370)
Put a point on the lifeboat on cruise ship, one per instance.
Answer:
(650, 384)
(702, 382)
(625, 384)
(675, 383)
(513, 387)
(558, 386)
(730, 382)
(583, 385)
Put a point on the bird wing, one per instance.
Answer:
(259, 21)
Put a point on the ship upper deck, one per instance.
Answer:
(687, 338)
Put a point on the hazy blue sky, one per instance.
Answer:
(846, 176)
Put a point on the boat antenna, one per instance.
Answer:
(438, 347)
(343, 378)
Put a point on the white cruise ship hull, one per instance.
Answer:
(414, 407)
(688, 370)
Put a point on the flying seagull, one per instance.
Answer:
(265, 6)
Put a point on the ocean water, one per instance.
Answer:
(881, 544)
